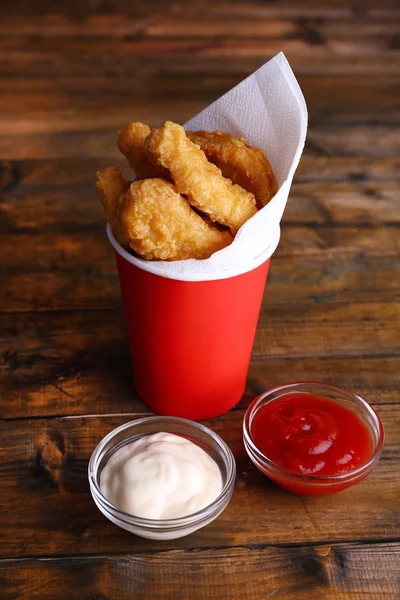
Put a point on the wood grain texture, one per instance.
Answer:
(331, 101)
(78, 350)
(379, 141)
(333, 572)
(312, 169)
(198, 20)
(79, 363)
(336, 8)
(69, 271)
(128, 64)
(71, 74)
(57, 206)
(46, 461)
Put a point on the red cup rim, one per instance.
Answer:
(281, 471)
(153, 266)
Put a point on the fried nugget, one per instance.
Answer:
(160, 225)
(243, 164)
(111, 188)
(198, 179)
(131, 144)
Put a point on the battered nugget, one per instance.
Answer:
(243, 164)
(111, 187)
(198, 179)
(131, 144)
(160, 225)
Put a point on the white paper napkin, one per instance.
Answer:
(269, 110)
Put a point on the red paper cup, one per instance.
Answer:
(190, 341)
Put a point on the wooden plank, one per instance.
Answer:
(306, 281)
(329, 36)
(53, 194)
(335, 9)
(37, 106)
(260, 27)
(299, 30)
(68, 271)
(36, 175)
(360, 141)
(90, 245)
(96, 378)
(339, 242)
(378, 141)
(78, 272)
(105, 107)
(196, 21)
(334, 572)
(46, 461)
(304, 42)
(102, 123)
(344, 203)
(125, 64)
(355, 330)
(291, 8)
(40, 93)
(64, 203)
(33, 208)
(169, 27)
(374, 379)
(312, 169)
(74, 363)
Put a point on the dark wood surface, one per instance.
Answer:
(71, 74)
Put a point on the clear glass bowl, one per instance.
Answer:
(166, 529)
(314, 485)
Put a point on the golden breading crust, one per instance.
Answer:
(198, 179)
(131, 144)
(111, 188)
(160, 225)
(243, 164)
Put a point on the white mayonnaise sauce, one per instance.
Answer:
(161, 476)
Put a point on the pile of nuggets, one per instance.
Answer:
(193, 191)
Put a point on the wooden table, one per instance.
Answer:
(72, 73)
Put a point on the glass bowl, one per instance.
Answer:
(167, 529)
(314, 485)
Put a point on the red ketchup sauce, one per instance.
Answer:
(311, 436)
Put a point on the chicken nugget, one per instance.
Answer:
(243, 164)
(198, 179)
(160, 225)
(111, 188)
(131, 144)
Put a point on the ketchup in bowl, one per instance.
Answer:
(313, 438)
